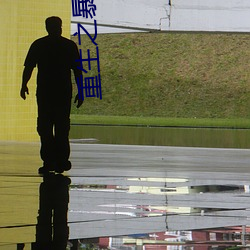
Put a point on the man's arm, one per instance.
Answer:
(27, 72)
(77, 74)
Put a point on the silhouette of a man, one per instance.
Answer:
(54, 57)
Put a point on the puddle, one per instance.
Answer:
(184, 137)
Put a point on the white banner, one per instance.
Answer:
(168, 15)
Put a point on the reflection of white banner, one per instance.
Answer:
(170, 15)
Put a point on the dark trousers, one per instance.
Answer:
(53, 125)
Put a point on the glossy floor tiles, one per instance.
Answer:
(125, 197)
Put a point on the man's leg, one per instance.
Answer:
(45, 130)
(47, 151)
(62, 144)
(62, 127)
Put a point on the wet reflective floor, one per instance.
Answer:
(126, 197)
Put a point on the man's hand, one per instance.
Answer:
(79, 101)
(23, 91)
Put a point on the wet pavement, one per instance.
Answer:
(126, 197)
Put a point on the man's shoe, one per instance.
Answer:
(44, 170)
(61, 167)
(67, 166)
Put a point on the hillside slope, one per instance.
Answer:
(171, 75)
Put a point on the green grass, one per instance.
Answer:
(159, 121)
(164, 76)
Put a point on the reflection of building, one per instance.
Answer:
(172, 188)
(171, 240)
(162, 186)
(139, 206)
(196, 240)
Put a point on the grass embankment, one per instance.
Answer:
(170, 79)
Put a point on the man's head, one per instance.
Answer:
(54, 25)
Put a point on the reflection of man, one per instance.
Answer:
(52, 231)
(54, 56)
